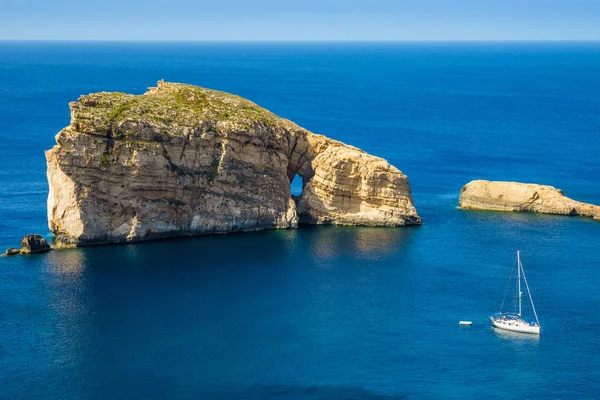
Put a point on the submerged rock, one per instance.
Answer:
(523, 197)
(34, 244)
(184, 160)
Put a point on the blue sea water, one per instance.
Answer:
(321, 312)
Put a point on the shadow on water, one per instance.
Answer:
(232, 250)
(211, 251)
(367, 243)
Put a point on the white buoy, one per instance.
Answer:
(465, 323)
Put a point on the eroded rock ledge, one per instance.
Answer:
(184, 160)
(524, 197)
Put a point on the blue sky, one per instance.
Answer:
(300, 20)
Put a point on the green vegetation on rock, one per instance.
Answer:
(170, 105)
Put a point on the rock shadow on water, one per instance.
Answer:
(371, 243)
(233, 250)
(250, 249)
(522, 218)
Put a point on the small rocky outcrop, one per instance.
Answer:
(34, 244)
(522, 197)
(30, 244)
(184, 160)
(12, 251)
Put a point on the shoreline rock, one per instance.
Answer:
(184, 160)
(522, 197)
(34, 244)
(12, 251)
(30, 244)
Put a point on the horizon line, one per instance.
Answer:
(306, 40)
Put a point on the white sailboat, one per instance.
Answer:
(513, 321)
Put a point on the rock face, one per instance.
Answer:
(184, 160)
(34, 244)
(525, 197)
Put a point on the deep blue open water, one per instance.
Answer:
(327, 312)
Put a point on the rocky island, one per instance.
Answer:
(185, 160)
(523, 197)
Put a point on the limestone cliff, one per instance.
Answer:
(184, 160)
(514, 196)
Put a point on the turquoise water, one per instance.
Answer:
(321, 312)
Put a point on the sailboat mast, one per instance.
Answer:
(519, 278)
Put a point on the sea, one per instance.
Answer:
(319, 312)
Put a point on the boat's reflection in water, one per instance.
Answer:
(515, 336)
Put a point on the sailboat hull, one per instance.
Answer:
(516, 326)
